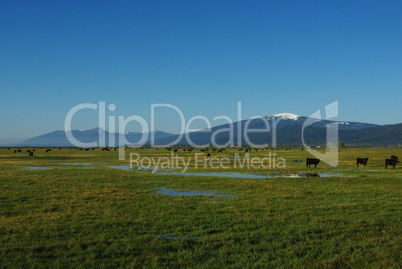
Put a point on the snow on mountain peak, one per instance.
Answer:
(286, 116)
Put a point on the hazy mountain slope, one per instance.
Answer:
(59, 139)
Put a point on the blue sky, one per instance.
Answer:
(201, 56)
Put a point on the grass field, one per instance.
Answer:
(76, 211)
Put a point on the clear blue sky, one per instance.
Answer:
(201, 56)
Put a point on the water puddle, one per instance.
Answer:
(52, 168)
(318, 175)
(121, 167)
(80, 164)
(361, 170)
(228, 174)
(163, 190)
(38, 168)
(214, 174)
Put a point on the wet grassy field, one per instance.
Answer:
(70, 208)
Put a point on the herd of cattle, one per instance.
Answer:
(309, 161)
(388, 162)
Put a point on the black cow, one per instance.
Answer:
(310, 161)
(390, 162)
(393, 157)
(209, 155)
(31, 154)
(361, 161)
(393, 161)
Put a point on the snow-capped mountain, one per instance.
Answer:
(286, 119)
(288, 128)
(285, 116)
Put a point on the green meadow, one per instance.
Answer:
(69, 208)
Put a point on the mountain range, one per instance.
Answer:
(284, 128)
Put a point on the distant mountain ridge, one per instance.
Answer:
(59, 138)
(288, 128)
(288, 131)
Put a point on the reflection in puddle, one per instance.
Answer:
(233, 174)
(121, 167)
(38, 168)
(51, 168)
(163, 190)
(318, 175)
(361, 170)
(76, 163)
(173, 237)
(228, 174)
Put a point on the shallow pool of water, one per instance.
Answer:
(163, 190)
(361, 170)
(215, 174)
(38, 168)
(121, 167)
(81, 164)
(227, 174)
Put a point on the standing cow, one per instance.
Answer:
(310, 161)
(393, 161)
(361, 161)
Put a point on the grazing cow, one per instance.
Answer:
(31, 154)
(209, 155)
(310, 161)
(390, 162)
(361, 161)
(176, 150)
